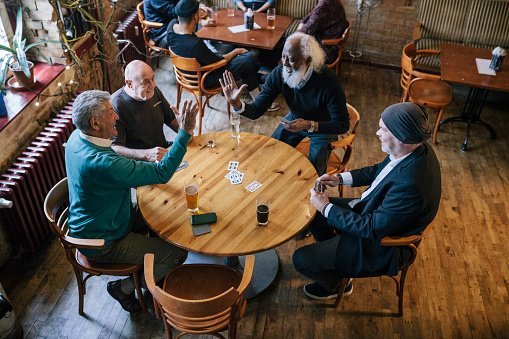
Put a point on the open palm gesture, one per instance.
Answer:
(230, 89)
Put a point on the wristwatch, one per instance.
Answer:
(312, 127)
(340, 178)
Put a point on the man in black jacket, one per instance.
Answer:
(314, 96)
(402, 199)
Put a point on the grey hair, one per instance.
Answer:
(87, 105)
(310, 48)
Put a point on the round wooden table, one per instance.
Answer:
(286, 176)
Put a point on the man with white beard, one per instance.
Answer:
(314, 96)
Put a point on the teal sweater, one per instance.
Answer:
(100, 184)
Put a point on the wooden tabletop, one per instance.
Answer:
(458, 67)
(263, 38)
(286, 177)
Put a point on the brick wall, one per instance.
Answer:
(389, 28)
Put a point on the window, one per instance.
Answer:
(5, 27)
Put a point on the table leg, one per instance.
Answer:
(472, 114)
(265, 271)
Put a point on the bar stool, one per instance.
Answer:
(434, 94)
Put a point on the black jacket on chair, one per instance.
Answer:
(404, 203)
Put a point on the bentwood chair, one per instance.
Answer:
(409, 245)
(191, 76)
(199, 298)
(151, 49)
(340, 42)
(341, 149)
(55, 208)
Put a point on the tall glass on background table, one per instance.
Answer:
(271, 18)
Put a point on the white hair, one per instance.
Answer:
(310, 48)
(86, 105)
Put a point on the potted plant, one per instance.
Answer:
(16, 59)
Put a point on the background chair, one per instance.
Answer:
(200, 299)
(55, 208)
(340, 42)
(411, 56)
(151, 49)
(190, 76)
(430, 91)
(410, 244)
(337, 163)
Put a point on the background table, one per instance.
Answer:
(263, 38)
(458, 66)
(286, 177)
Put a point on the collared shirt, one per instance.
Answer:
(348, 180)
(95, 140)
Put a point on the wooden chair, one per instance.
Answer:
(200, 299)
(409, 57)
(340, 42)
(337, 163)
(435, 94)
(190, 76)
(411, 243)
(55, 208)
(430, 91)
(151, 49)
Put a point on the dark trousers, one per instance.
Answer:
(318, 261)
(318, 148)
(244, 67)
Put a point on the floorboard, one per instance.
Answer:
(457, 288)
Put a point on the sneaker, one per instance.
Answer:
(273, 107)
(127, 301)
(317, 292)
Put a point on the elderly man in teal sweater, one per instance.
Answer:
(100, 184)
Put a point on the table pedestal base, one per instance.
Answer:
(265, 270)
(471, 114)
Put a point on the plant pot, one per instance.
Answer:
(21, 78)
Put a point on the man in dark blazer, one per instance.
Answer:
(402, 199)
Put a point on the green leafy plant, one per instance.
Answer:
(18, 51)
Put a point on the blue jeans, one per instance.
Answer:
(318, 148)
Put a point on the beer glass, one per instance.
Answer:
(262, 211)
(191, 191)
(231, 8)
(271, 18)
(213, 15)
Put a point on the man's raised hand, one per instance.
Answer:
(230, 89)
(187, 119)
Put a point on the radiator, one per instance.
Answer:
(130, 29)
(36, 170)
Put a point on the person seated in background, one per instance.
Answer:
(314, 96)
(100, 182)
(183, 42)
(402, 199)
(163, 11)
(255, 5)
(327, 20)
(142, 111)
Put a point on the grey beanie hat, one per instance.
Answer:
(408, 122)
(186, 8)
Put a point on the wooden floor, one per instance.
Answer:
(458, 287)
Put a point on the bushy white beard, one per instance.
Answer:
(293, 79)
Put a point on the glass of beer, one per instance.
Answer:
(231, 8)
(271, 18)
(191, 191)
(262, 211)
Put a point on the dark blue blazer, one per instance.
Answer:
(404, 203)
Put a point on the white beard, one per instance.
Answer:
(295, 78)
